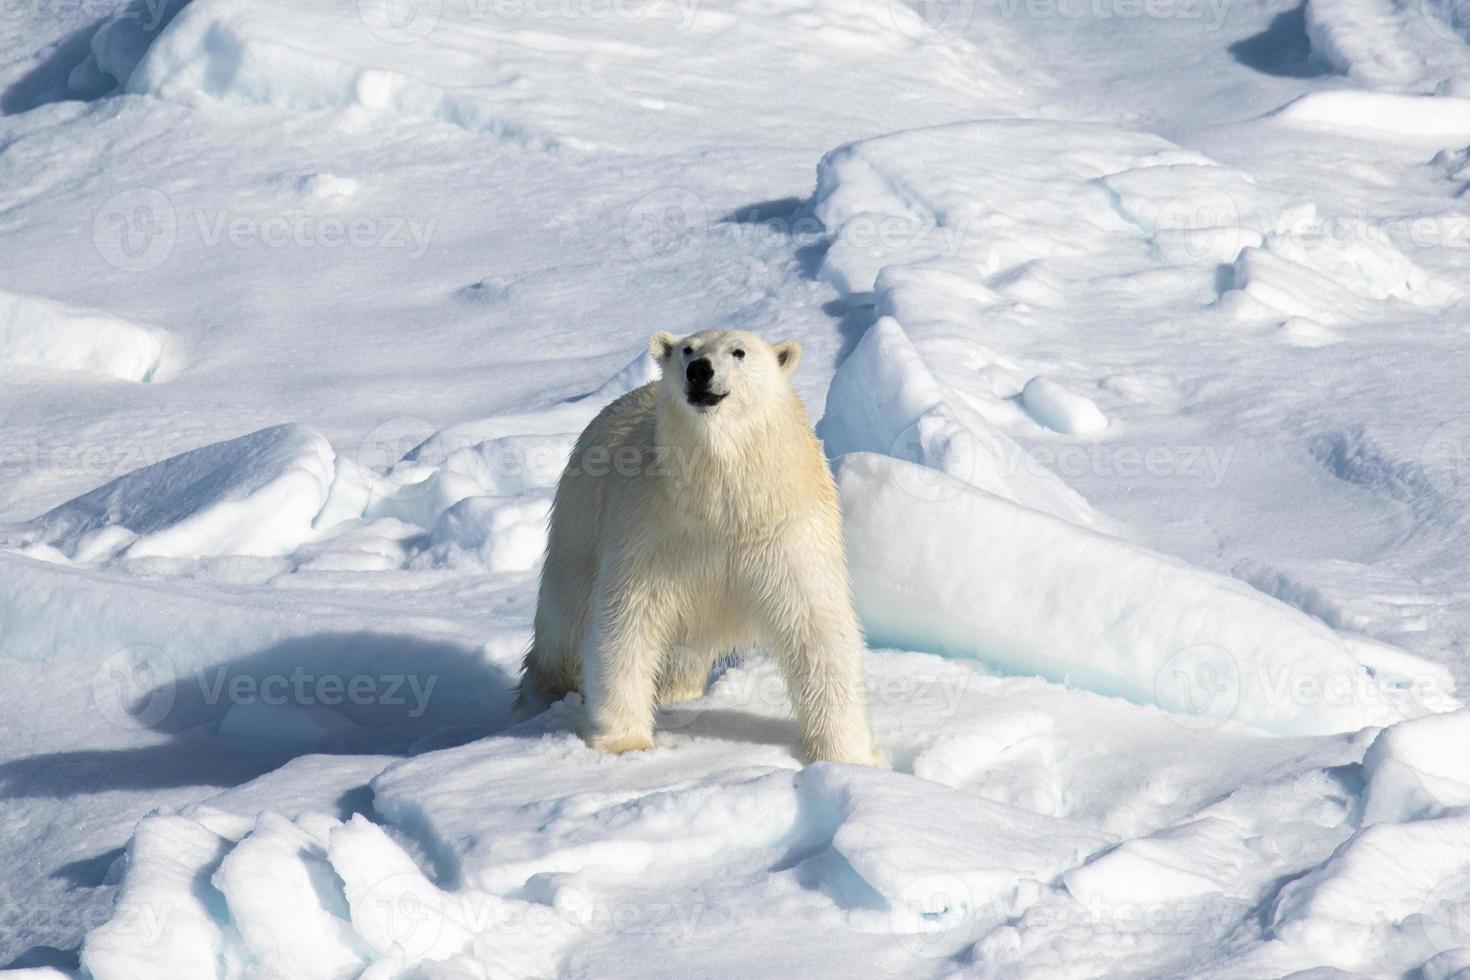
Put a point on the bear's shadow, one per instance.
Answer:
(414, 694)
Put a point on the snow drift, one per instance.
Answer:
(480, 67)
(474, 496)
(968, 573)
(255, 495)
(1397, 47)
(884, 399)
(40, 333)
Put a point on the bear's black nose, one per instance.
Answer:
(699, 373)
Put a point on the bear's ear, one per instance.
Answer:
(662, 345)
(788, 352)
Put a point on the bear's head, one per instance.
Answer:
(724, 374)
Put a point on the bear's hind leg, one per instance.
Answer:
(544, 681)
(684, 674)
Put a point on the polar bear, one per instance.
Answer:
(696, 516)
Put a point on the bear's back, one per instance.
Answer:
(626, 421)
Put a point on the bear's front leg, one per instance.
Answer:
(806, 608)
(825, 679)
(620, 667)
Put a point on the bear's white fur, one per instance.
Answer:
(682, 531)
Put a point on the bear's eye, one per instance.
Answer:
(739, 354)
(688, 351)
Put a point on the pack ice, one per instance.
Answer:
(1139, 375)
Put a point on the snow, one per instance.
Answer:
(1393, 46)
(277, 883)
(39, 333)
(1047, 597)
(884, 399)
(1141, 376)
(1380, 115)
(162, 925)
(1061, 410)
(1414, 772)
(496, 69)
(255, 495)
(1378, 893)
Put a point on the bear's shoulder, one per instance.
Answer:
(623, 420)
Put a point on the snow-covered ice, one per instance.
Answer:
(1135, 336)
(39, 333)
